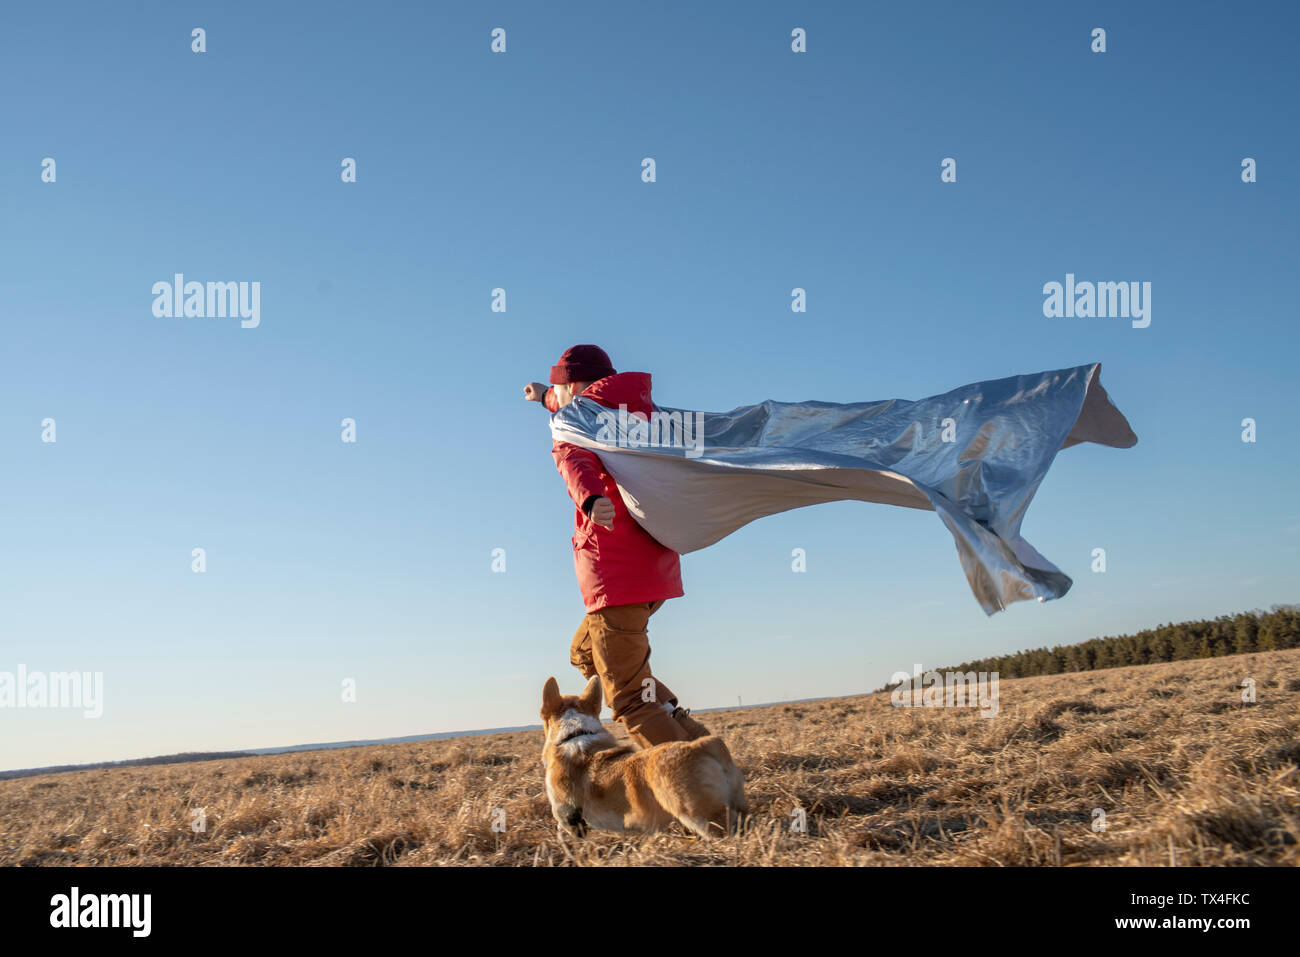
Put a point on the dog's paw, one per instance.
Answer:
(570, 819)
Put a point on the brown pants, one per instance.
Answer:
(614, 643)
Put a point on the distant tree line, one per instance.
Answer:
(133, 762)
(1240, 634)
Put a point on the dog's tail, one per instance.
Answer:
(715, 747)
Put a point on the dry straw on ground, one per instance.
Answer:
(1185, 771)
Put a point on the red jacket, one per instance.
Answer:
(622, 565)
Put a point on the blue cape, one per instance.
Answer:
(975, 455)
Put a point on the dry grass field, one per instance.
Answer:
(1185, 772)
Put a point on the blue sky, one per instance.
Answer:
(372, 561)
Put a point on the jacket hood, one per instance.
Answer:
(631, 389)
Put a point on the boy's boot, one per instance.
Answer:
(657, 727)
(692, 727)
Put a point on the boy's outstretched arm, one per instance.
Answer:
(540, 392)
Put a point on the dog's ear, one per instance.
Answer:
(590, 701)
(550, 695)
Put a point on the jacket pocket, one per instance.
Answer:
(582, 538)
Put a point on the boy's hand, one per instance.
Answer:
(535, 392)
(602, 513)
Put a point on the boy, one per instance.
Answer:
(624, 574)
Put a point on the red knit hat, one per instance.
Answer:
(581, 364)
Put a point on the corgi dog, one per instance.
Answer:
(593, 782)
